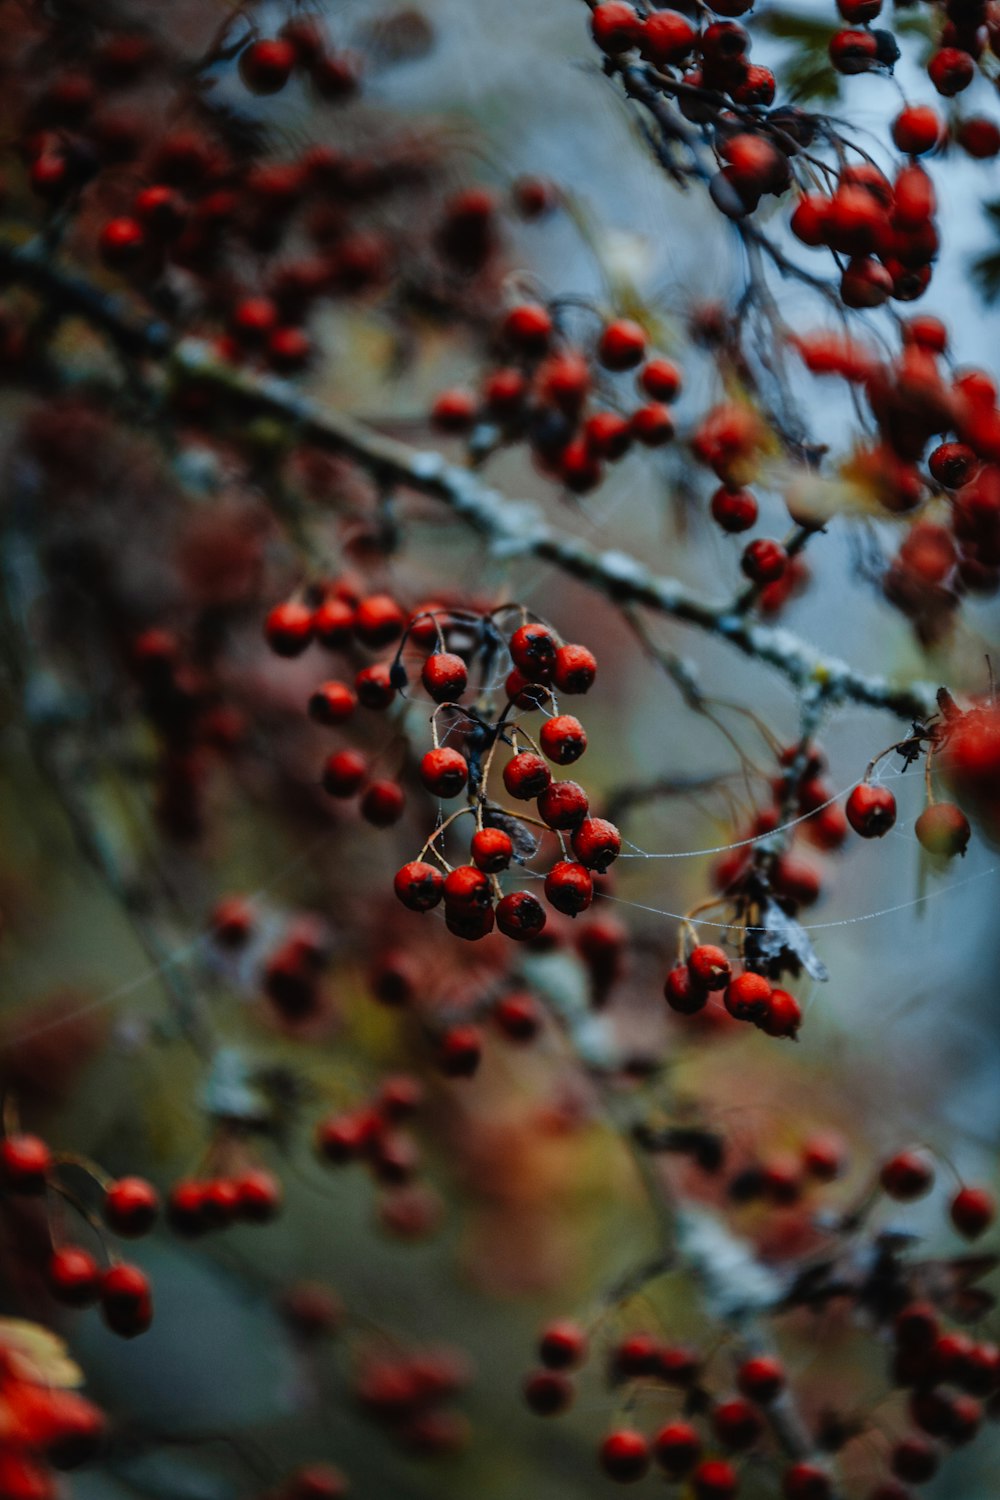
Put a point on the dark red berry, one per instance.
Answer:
(574, 669)
(520, 915)
(533, 650)
(596, 843)
(526, 776)
(622, 345)
(764, 561)
(676, 1448)
(972, 1211)
(548, 1392)
(491, 849)
(562, 805)
(266, 66)
(419, 886)
(289, 628)
(569, 888)
(332, 703)
(906, 1176)
(624, 1455)
(460, 1049)
(682, 993)
(126, 1300)
(761, 1378)
(382, 803)
(748, 996)
(734, 510)
(563, 739)
(74, 1277)
(131, 1206)
(709, 966)
(736, 1423)
(25, 1164)
(344, 773)
(871, 810)
(562, 1346)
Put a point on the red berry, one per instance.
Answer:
(131, 1206)
(652, 425)
(258, 1196)
(563, 739)
(682, 993)
(943, 829)
(343, 1138)
(126, 1300)
(25, 1163)
(563, 381)
(661, 379)
(529, 327)
(533, 650)
(518, 1017)
(378, 620)
(465, 887)
(761, 1378)
(419, 886)
(74, 1277)
(764, 561)
(715, 1480)
(734, 510)
(332, 703)
(805, 1481)
(375, 687)
(615, 27)
(547, 1392)
(520, 916)
(906, 1176)
(504, 392)
(253, 319)
(636, 1356)
(121, 242)
(748, 996)
(624, 1455)
(736, 1423)
(562, 1346)
(951, 70)
(917, 129)
(289, 628)
(676, 1448)
(288, 350)
(979, 137)
(526, 775)
(824, 1157)
(444, 772)
(454, 411)
(459, 1051)
(952, 464)
(333, 623)
(569, 888)
(853, 51)
(607, 435)
(667, 38)
(266, 66)
(186, 1208)
(914, 1460)
(871, 810)
(562, 805)
(622, 345)
(782, 1016)
(382, 803)
(491, 849)
(344, 773)
(972, 1211)
(709, 966)
(445, 677)
(596, 843)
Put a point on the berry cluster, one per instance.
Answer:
(44, 1424)
(408, 1395)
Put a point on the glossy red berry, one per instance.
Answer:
(569, 888)
(289, 628)
(710, 968)
(131, 1206)
(972, 1211)
(748, 996)
(126, 1300)
(445, 676)
(444, 772)
(764, 561)
(121, 242)
(548, 1392)
(607, 435)
(25, 1164)
(533, 650)
(563, 739)
(562, 1346)
(344, 773)
(467, 887)
(574, 669)
(917, 129)
(526, 776)
(677, 1448)
(943, 829)
(667, 38)
(528, 327)
(715, 1480)
(562, 805)
(871, 810)
(382, 803)
(622, 345)
(736, 1423)
(520, 916)
(266, 66)
(652, 424)
(853, 51)
(734, 510)
(624, 1455)
(379, 620)
(616, 27)
(419, 886)
(661, 379)
(375, 687)
(806, 1481)
(491, 850)
(906, 1176)
(761, 1378)
(682, 993)
(73, 1276)
(596, 843)
(332, 703)
(460, 1050)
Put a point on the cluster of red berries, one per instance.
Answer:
(557, 396)
(300, 47)
(909, 1175)
(409, 1395)
(715, 58)
(289, 973)
(198, 1205)
(44, 1425)
(781, 1179)
(74, 1276)
(747, 996)
(372, 1134)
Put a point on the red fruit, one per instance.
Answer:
(748, 996)
(676, 1448)
(289, 350)
(569, 888)
(375, 687)
(382, 803)
(682, 993)
(563, 739)
(131, 1206)
(710, 968)
(667, 38)
(343, 1138)
(445, 676)
(466, 888)
(74, 1277)
(563, 381)
(186, 1208)
(652, 425)
(444, 772)
(859, 12)
(126, 1300)
(453, 411)
(526, 775)
(121, 242)
(419, 886)
(865, 283)
(943, 829)
(332, 703)
(577, 468)
(562, 1346)
(529, 327)
(783, 1016)
(914, 1460)
(979, 137)
(491, 850)
(289, 628)
(761, 1378)
(25, 1164)
(952, 464)
(906, 1176)
(715, 1480)
(871, 810)
(804, 1481)
(265, 67)
(596, 843)
(661, 379)
(607, 435)
(533, 650)
(615, 27)
(333, 623)
(624, 1455)
(757, 86)
(547, 1392)
(378, 620)
(220, 1202)
(459, 1051)
(736, 1424)
(253, 319)
(824, 1157)
(810, 219)
(562, 805)
(344, 773)
(853, 51)
(518, 1016)
(678, 1366)
(917, 129)
(951, 70)
(635, 1356)
(520, 916)
(504, 392)
(258, 1197)
(622, 345)
(764, 561)
(734, 510)
(972, 1211)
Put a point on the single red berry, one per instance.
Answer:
(529, 327)
(824, 1157)
(709, 966)
(906, 1176)
(917, 129)
(622, 345)
(382, 803)
(492, 850)
(574, 670)
(253, 319)
(914, 1460)
(518, 1016)
(979, 137)
(805, 1481)
(563, 739)
(661, 379)
(266, 66)
(525, 694)
(378, 620)
(126, 1300)
(667, 38)
(220, 1202)
(677, 1365)
(289, 628)
(454, 411)
(569, 888)
(715, 1480)
(526, 775)
(466, 887)
(952, 464)
(761, 1378)
(341, 1139)
(972, 1211)
(332, 703)
(258, 1196)
(635, 1357)
(186, 1208)
(344, 773)
(316, 1482)
(121, 242)
(333, 623)
(460, 1049)
(682, 993)
(607, 435)
(764, 561)
(504, 392)
(562, 805)
(736, 1423)
(533, 650)
(289, 350)
(782, 1015)
(871, 810)
(748, 996)
(74, 1277)
(548, 1392)
(444, 772)
(131, 1206)
(375, 686)
(562, 1346)
(445, 676)
(943, 829)
(951, 70)
(596, 843)
(677, 1448)
(853, 51)
(520, 916)
(734, 510)
(25, 1164)
(419, 886)
(624, 1455)
(652, 424)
